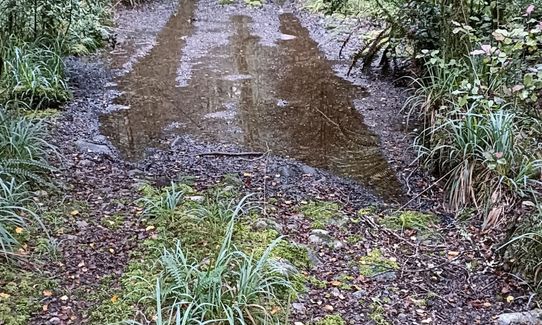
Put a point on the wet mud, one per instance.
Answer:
(255, 80)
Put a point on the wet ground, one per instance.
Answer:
(234, 78)
(248, 77)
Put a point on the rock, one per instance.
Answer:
(41, 193)
(196, 198)
(86, 163)
(299, 307)
(81, 224)
(385, 277)
(89, 147)
(322, 237)
(359, 294)
(319, 236)
(402, 318)
(284, 267)
(307, 170)
(313, 258)
(285, 171)
(533, 317)
(261, 224)
(54, 321)
(99, 139)
(337, 244)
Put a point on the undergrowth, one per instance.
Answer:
(203, 261)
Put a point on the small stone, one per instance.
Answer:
(81, 224)
(338, 244)
(90, 147)
(196, 198)
(54, 321)
(385, 277)
(284, 267)
(260, 225)
(328, 308)
(299, 307)
(86, 163)
(359, 294)
(533, 317)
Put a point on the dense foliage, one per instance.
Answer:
(476, 89)
(34, 36)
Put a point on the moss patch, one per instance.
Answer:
(199, 225)
(377, 313)
(21, 293)
(374, 263)
(331, 320)
(321, 213)
(409, 220)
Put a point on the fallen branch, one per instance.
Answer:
(232, 154)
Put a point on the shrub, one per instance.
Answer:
(14, 216)
(231, 288)
(33, 75)
(23, 149)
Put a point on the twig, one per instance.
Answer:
(232, 154)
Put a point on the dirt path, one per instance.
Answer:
(436, 275)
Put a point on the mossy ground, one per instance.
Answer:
(321, 213)
(331, 320)
(412, 220)
(24, 282)
(199, 225)
(375, 263)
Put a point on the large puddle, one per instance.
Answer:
(283, 96)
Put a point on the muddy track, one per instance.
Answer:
(221, 68)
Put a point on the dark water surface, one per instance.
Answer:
(283, 97)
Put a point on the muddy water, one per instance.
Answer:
(231, 86)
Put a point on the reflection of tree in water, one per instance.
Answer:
(317, 125)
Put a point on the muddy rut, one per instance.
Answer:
(250, 77)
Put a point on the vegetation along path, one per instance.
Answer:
(221, 163)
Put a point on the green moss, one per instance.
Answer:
(112, 222)
(200, 231)
(257, 241)
(374, 263)
(377, 313)
(354, 239)
(409, 220)
(21, 293)
(43, 113)
(315, 282)
(331, 320)
(366, 211)
(321, 213)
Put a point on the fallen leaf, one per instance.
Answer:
(74, 213)
(47, 293)
(19, 230)
(114, 299)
